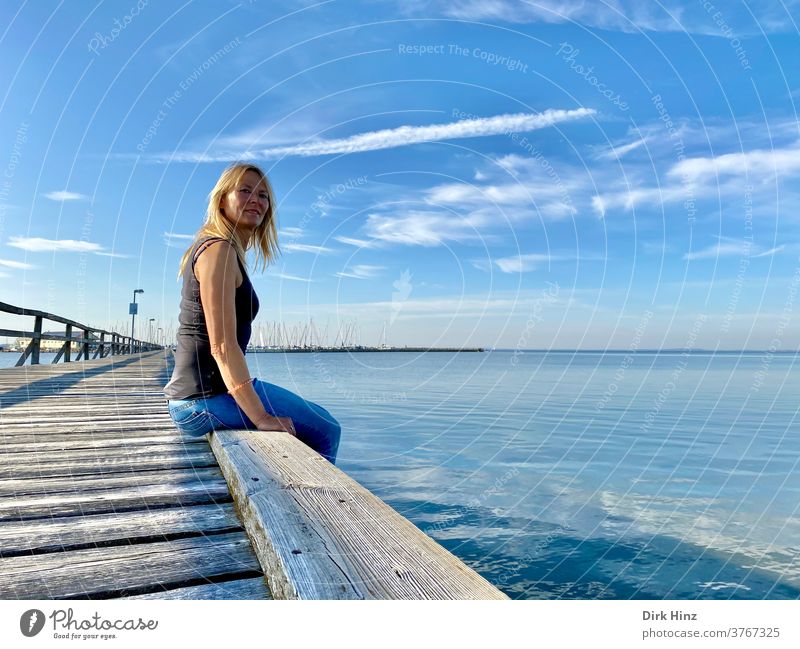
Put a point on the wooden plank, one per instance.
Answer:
(320, 535)
(61, 441)
(68, 450)
(114, 500)
(127, 570)
(115, 464)
(122, 451)
(69, 532)
(82, 402)
(109, 426)
(80, 406)
(82, 484)
(255, 588)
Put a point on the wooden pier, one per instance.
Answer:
(101, 497)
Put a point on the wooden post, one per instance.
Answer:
(25, 354)
(85, 344)
(101, 346)
(37, 339)
(68, 345)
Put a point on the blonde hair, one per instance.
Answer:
(264, 238)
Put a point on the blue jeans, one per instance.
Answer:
(314, 425)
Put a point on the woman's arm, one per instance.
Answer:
(216, 270)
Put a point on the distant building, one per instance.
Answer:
(52, 345)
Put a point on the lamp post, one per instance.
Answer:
(133, 309)
(150, 331)
(159, 335)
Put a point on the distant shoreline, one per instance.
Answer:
(502, 349)
(647, 351)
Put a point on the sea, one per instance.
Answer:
(577, 475)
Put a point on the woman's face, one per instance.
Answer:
(247, 203)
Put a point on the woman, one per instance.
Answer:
(211, 388)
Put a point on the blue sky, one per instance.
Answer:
(500, 173)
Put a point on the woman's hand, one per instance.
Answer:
(276, 424)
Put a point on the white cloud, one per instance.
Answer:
(510, 194)
(621, 16)
(527, 197)
(629, 16)
(64, 195)
(35, 244)
(358, 243)
(617, 152)
(16, 264)
(521, 263)
(399, 136)
(361, 271)
(291, 232)
(756, 165)
(293, 278)
(116, 255)
(629, 199)
(731, 247)
(481, 264)
(770, 252)
(448, 307)
(176, 240)
(714, 177)
(303, 247)
(415, 228)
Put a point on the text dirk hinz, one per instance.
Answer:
(673, 615)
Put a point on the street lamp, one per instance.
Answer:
(133, 309)
(150, 331)
(159, 335)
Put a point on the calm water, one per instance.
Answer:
(578, 475)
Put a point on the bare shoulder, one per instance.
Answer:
(216, 261)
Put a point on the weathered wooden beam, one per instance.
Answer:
(320, 535)
(66, 533)
(255, 588)
(115, 499)
(77, 484)
(44, 466)
(56, 441)
(128, 569)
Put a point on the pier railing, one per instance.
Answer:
(89, 339)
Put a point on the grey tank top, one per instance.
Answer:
(196, 374)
